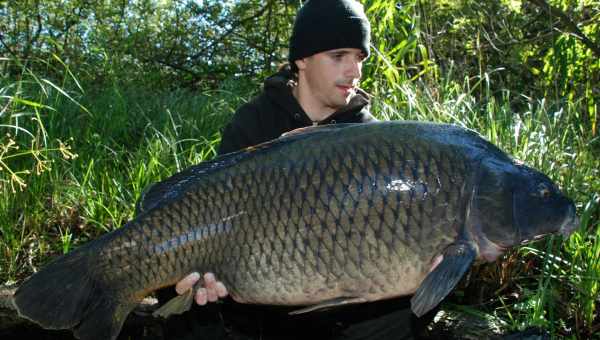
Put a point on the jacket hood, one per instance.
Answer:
(279, 89)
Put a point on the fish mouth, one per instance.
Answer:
(570, 223)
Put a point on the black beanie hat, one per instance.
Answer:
(323, 25)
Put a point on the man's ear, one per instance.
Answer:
(300, 63)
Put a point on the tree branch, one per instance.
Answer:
(33, 40)
(232, 29)
(573, 28)
(6, 46)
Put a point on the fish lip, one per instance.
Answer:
(570, 223)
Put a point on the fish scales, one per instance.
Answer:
(357, 211)
(270, 241)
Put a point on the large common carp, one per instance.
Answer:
(326, 216)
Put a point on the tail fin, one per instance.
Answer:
(66, 294)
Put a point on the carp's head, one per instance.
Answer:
(513, 204)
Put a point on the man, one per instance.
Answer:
(329, 42)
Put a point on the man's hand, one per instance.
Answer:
(210, 291)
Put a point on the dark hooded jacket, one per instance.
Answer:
(273, 112)
(276, 111)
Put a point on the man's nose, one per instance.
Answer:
(354, 69)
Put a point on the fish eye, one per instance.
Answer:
(544, 191)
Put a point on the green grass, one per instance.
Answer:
(86, 154)
(93, 162)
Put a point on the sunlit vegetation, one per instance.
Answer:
(99, 100)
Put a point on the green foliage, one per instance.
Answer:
(187, 42)
(24, 142)
(126, 139)
(398, 53)
(523, 46)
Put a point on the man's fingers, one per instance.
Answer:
(187, 283)
(210, 291)
(211, 295)
(214, 289)
(209, 281)
(201, 296)
(221, 290)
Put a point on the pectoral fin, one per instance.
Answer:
(457, 260)
(329, 304)
(177, 305)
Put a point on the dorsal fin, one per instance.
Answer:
(316, 129)
(170, 188)
(173, 186)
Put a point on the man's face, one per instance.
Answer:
(332, 76)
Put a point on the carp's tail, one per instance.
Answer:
(67, 294)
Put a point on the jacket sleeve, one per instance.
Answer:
(366, 116)
(238, 133)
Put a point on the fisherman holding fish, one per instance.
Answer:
(329, 43)
(354, 215)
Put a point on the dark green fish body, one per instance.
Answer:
(349, 213)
